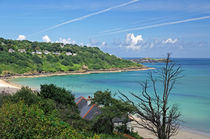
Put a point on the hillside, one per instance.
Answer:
(25, 57)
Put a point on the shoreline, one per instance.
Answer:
(5, 83)
(80, 72)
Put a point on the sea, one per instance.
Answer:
(191, 93)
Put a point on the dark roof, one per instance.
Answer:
(87, 111)
(92, 113)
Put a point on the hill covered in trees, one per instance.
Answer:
(26, 57)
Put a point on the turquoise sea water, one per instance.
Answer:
(192, 92)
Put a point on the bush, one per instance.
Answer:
(27, 95)
(23, 121)
(59, 95)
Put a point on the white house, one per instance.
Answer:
(74, 54)
(38, 52)
(46, 52)
(11, 50)
(68, 53)
(22, 50)
(56, 53)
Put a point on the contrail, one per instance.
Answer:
(162, 24)
(86, 16)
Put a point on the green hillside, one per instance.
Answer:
(18, 57)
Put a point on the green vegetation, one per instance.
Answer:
(18, 57)
(112, 110)
(52, 113)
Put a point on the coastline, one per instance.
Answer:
(5, 83)
(80, 72)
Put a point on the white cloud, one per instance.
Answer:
(137, 43)
(66, 41)
(133, 42)
(170, 41)
(46, 38)
(21, 37)
(96, 43)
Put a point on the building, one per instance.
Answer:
(56, 53)
(38, 52)
(46, 52)
(68, 53)
(11, 51)
(22, 50)
(87, 110)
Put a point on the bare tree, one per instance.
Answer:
(154, 112)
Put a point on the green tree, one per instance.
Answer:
(112, 108)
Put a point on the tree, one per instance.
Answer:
(112, 108)
(155, 113)
(65, 105)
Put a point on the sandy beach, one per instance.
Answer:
(4, 84)
(6, 87)
(183, 133)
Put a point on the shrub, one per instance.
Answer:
(23, 121)
(27, 95)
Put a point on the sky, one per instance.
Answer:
(125, 28)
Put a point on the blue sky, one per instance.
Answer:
(126, 28)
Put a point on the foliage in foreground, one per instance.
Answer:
(51, 113)
(22, 121)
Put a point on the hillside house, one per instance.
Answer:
(56, 53)
(11, 51)
(38, 52)
(22, 50)
(68, 53)
(87, 110)
(46, 52)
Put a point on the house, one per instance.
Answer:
(62, 45)
(56, 53)
(68, 53)
(74, 54)
(46, 52)
(22, 50)
(38, 52)
(11, 51)
(87, 110)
